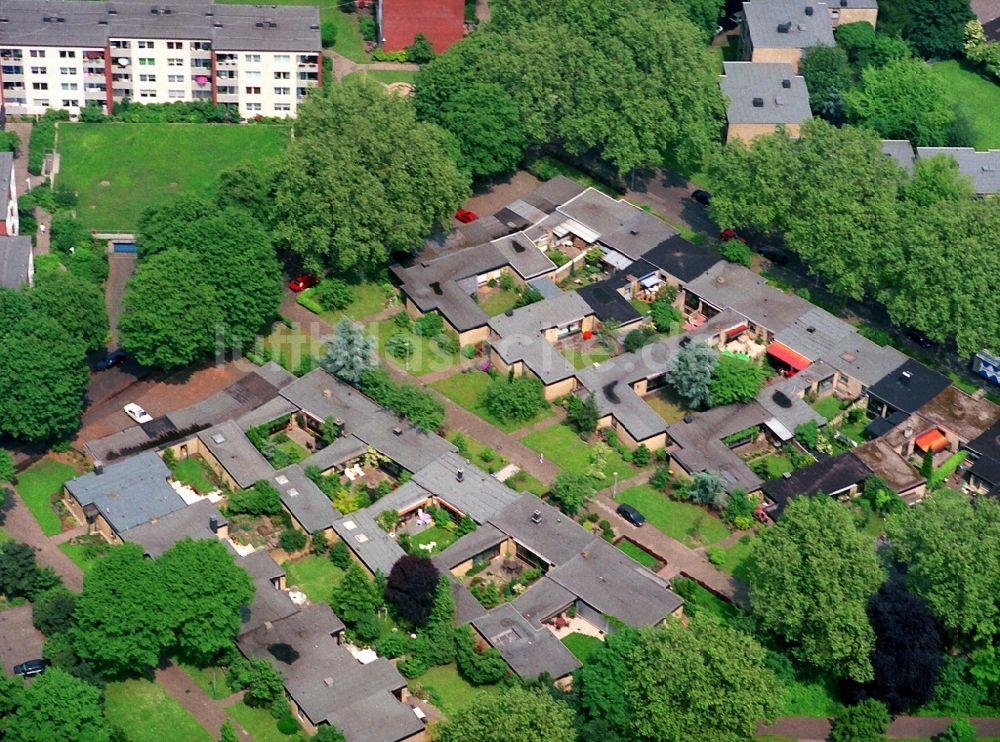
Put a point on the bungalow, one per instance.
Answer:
(675, 261)
(370, 545)
(198, 521)
(17, 262)
(779, 30)
(984, 451)
(906, 389)
(8, 196)
(839, 476)
(983, 168)
(764, 97)
(892, 468)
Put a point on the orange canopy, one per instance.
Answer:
(788, 356)
(933, 440)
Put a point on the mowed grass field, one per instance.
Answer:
(978, 98)
(121, 169)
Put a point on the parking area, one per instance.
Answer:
(19, 640)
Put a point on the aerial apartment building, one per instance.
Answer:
(67, 54)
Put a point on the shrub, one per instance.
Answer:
(367, 628)
(429, 325)
(328, 34)
(487, 594)
(636, 339)
(393, 645)
(716, 556)
(661, 478)
(280, 707)
(261, 499)
(530, 295)
(867, 721)
(43, 140)
(479, 668)
(340, 555)
(447, 342)
(420, 51)
(9, 141)
(515, 399)
(412, 667)
(808, 433)
(288, 725)
(469, 351)
(507, 282)
(262, 682)
(366, 25)
(292, 539)
(959, 730)
(400, 346)
(320, 543)
(334, 294)
(402, 320)
(641, 456)
(665, 316)
(735, 252)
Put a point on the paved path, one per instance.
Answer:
(810, 729)
(20, 641)
(23, 180)
(121, 266)
(342, 66)
(209, 712)
(42, 239)
(23, 527)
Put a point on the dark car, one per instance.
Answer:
(465, 216)
(919, 338)
(31, 667)
(112, 359)
(702, 197)
(630, 514)
(303, 282)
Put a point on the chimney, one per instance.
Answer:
(904, 379)
(509, 313)
(213, 524)
(536, 517)
(809, 10)
(98, 468)
(328, 682)
(786, 83)
(397, 431)
(460, 474)
(758, 102)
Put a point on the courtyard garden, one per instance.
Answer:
(690, 524)
(314, 575)
(581, 645)
(361, 299)
(583, 357)
(478, 453)
(144, 711)
(448, 690)
(40, 486)
(667, 404)
(194, 472)
(119, 170)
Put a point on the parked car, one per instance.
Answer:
(466, 216)
(302, 282)
(702, 197)
(30, 668)
(112, 359)
(919, 338)
(137, 413)
(630, 514)
(731, 234)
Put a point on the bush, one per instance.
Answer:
(261, 499)
(735, 252)
(447, 342)
(367, 628)
(288, 725)
(9, 141)
(665, 316)
(281, 707)
(328, 34)
(333, 294)
(420, 51)
(429, 325)
(383, 56)
(716, 555)
(402, 320)
(641, 456)
(400, 346)
(515, 399)
(867, 721)
(412, 667)
(340, 555)
(366, 25)
(393, 645)
(43, 140)
(661, 478)
(808, 433)
(636, 339)
(52, 611)
(292, 539)
(959, 730)
(479, 668)
(262, 682)
(530, 295)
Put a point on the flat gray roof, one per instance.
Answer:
(806, 23)
(543, 600)
(342, 450)
(615, 397)
(477, 494)
(483, 538)
(781, 94)
(538, 354)
(556, 538)
(901, 151)
(156, 536)
(304, 500)
(15, 261)
(700, 448)
(982, 167)
(815, 333)
(129, 492)
(528, 650)
(371, 544)
(600, 212)
(237, 455)
(535, 318)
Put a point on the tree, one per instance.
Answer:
(516, 713)
(208, 589)
(637, 338)
(735, 252)
(735, 380)
(7, 471)
(58, 706)
(867, 721)
(905, 99)
(334, 294)
(43, 377)
(959, 730)
(516, 399)
(828, 76)
(938, 26)
(420, 51)
(52, 610)
(292, 539)
(857, 40)
(705, 14)
(690, 371)
(77, 305)
(582, 414)
(411, 588)
(362, 179)
(907, 650)
(952, 550)
(936, 179)
(810, 579)
(172, 224)
(486, 122)
(123, 621)
(14, 306)
(665, 316)
(18, 570)
(327, 733)
(350, 352)
(11, 688)
(262, 682)
(478, 667)
(708, 488)
(246, 187)
(571, 491)
(808, 433)
(261, 499)
(600, 683)
(354, 596)
(166, 287)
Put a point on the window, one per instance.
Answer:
(95, 86)
(251, 57)
(175, 62)
(282, 75)
(68, 71)
(67, 54)
(203, 46)
(37, 53)
(175, 78)
(175, 44)
(120, 76)
(39, 86)
(42, 103)
(147, 93)
(252, 75)
(69, 86)
(39, 70)
(146, 45)
(283, 107)
(253, 90)
(70, 103)
(120, 44)
(9, 69)
(147, 78)
(253, 106)
(226, 90)
(282, 91)
(282, 58)
(175, 94)
(147, 61)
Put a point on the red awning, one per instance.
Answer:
(736, 330)
(788, 356)
(933, 440)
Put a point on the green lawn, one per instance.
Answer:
(735, 561)
(37, 484)
(640, 555)
(145, 711)
(315, 575)
(348, 41)
(499, 301)
(4, 536)
(441, 536)
(259, 723)
(581, 645)
(386, 77)
(195, 472)
(467, 389)
(427, 355)
(293, 450)
(770, 466)
(81, 556)
(479, 453)
(290, 347)
(667, 405)
(212, 680)
(977, 98)
(829, 407)
(683, 521)
(122, 169)
(369, 299)
(524, 482)
(706, 601)
(586, 358)
(450, 691)
(564, 448)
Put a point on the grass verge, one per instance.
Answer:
(145, 711)
(36, 486)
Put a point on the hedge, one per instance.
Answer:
(43, 141)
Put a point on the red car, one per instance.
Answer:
(303, 282)
(465, 216)
(731, 234)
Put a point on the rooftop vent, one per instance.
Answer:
(786, 83)
(154, 11)
(293, 492)
(219, 438)
(361, 538)
(905, 377)
(328, 682)
(397, 431)
(350, 525)
(98, 468)
(436, 287)
(259, 24)
(112, 11)
(786, 475)
(785, 27)
(633, 232)
(989, 168)
(810, 329)
(339, 422)
(843, 3)
(689, 419)
(758, 102)
(809, 10)
(313, 27)
(281, 479)
(802, 27)
(509, 313)
(213, 524)
(779, 101)
(536, 517)
(102, 22)
(327, 393)
(217, 24)
(460, 475)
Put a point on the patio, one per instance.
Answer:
(562, 626)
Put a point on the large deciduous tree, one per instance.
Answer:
(58, 706)
(811, 577)
(515, 714)
(43, 376)
(362, 180)
(77, 305)
(170, 314)
(735, 380)
(690, 370)
(937, 27)
(486, 123)
(828, 76)
(952, 550)
(411, 587)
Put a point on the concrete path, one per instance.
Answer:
(209, 712)
(43, 238)
(20, 641)
(23, 527)
(342, 66)
(121, 266)
(22, 179)
(808, 729)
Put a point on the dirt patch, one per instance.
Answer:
(105, 183)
